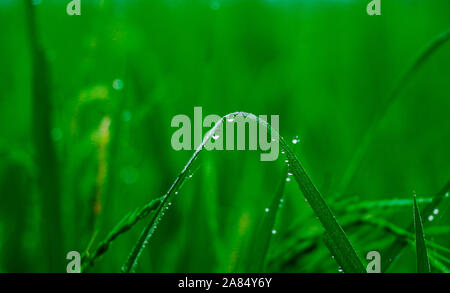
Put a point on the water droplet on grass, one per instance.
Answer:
(274, 232)
(295, 140)
(117, 84)
(267, 210)
(436, 211)
(430, 218)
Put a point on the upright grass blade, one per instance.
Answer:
(429, 50)
(337, 236)
(263, 235)
(400, 242)
(423, 263)
(47, 172)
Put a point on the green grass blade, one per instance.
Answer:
(400, 242)
(337, 236)
(423, 263)
(123, 226)
(260, 245)
(404, 80)
(438, 264)
(337, 239)
(47, 167)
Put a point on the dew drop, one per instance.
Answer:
(117, 84)
(295, 140)
(274, 232)
(446, 195)
(215, 137)
(288, 179)
(430, 218)
(267, 210)
(436, 211)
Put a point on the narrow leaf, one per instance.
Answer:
(400, 242)
(423, 263)
(260, 245)
(337, 236)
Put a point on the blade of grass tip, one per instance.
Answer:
(260, 246)
(46, 158)
(123, 226)
(423, 263)
(148, 231)
(352, 262)
(425, 54)
(400, 242)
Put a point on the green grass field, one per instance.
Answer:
(86, 104)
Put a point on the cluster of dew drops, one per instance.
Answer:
(435, 211)
(295, 140)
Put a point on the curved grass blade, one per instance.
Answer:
(429, 50)
(337, 236)
(423, 263)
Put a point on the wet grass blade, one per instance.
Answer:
(400, 242)
(423, 263)
(260, 245)
(337, 237)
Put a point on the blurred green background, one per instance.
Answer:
(86, 104)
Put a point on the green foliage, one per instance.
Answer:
(423, 264)
(86, 104)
